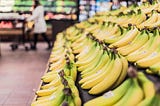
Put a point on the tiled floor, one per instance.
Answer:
(20, 73)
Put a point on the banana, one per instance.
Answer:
(58, 65)
(101, 63)
(126, 39)
(146, 49)
(123, 72)
(83, 25)
(129, 99)
(96, 78)
(75, 92)
(113, 38)
(87, 52)
(70, 30)
(137, 42)
(125, 96)
(149, 21)
(79, 47)
(88, 60)
(116, 34)
(74, 37)
(73, 72)
(141, 17)
(97, 71)
(54, 101)
(110, 79)
(149, 9)
(54, 83)
(137, 92)
(47, 92)
(94, 27)
(155, 67)
(156, 24)
(150, 59)
(148, 88)
(93, 62)
(108, 33)
(49, 78)
(111, 97)
(155, 101)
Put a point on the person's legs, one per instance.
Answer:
(33, 46)
(47, 40)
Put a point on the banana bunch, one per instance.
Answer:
(136, 91)
(96, 68)
(151, 22)
(57, 95)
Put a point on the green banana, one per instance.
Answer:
(111, 97)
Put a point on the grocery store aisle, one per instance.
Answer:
(20, 73)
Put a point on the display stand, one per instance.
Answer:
(35, 97)
(21, 39)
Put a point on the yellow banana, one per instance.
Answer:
(54, 83)
(123, 73)
(99, 72)
(97, 77)
(145, 50)
(87, 52)
(148, 88)
(111, 97)
(109, 80)
(88, 60)
(138, 42)
(129, 99)
(149, 21)
(113, 39)
(93, 62)
(149, 60)
(50, 78)
(126, 39)
(54, 101)
(101, 63)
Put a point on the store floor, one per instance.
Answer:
(20, 73)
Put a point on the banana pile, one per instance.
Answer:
(96, 68)
(101, 49)
(134, 91)
(58, 86)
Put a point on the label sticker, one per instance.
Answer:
(108, 94)
(52, 97)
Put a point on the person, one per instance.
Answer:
(40, 27)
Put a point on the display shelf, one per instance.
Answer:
(84, 93)
(41, 82)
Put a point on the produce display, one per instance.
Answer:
(110, 56)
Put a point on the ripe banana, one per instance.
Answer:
(111, 97)
(148, 88)
(101, 63)
(96, 78)
(137, 42)
(126, 39)
(133, 96)
(110, 79)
